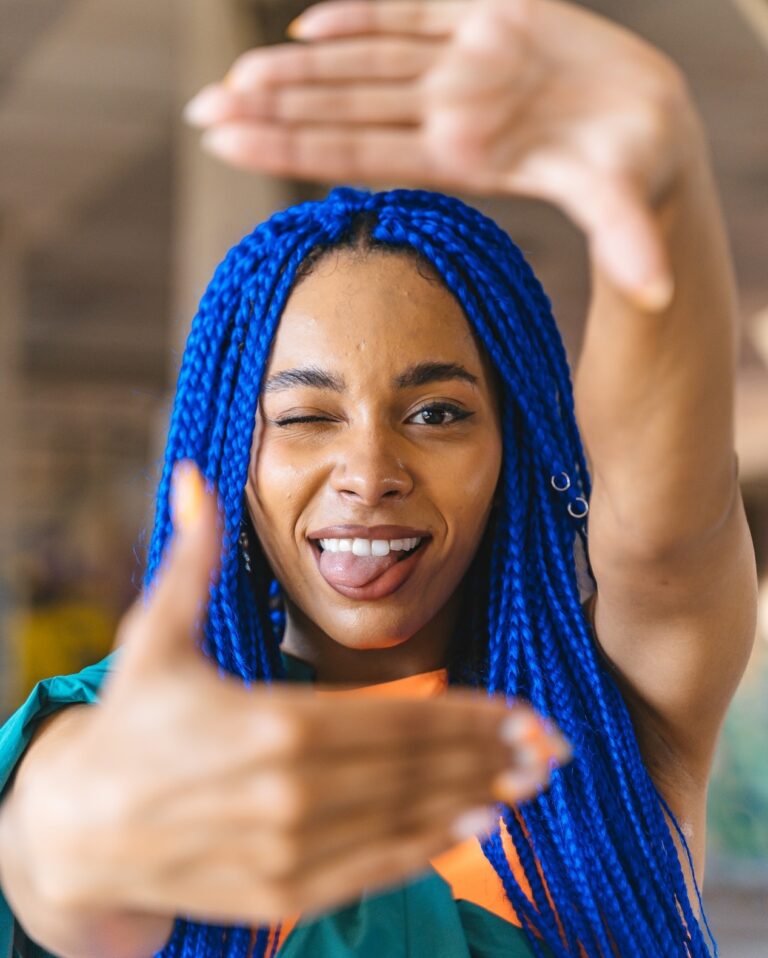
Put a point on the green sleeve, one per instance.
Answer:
(15, 735)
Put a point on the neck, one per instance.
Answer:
(336, 663)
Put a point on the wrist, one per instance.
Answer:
(71, 931)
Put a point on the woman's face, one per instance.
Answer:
(377, 449)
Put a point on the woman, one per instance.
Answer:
(403, 517)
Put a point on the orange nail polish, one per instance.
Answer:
(186, 495)
(518, 786)
(293, 30)
(656, 296)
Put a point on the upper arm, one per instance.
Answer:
(677, 629)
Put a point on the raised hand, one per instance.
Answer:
(531, 97)
(185, 793)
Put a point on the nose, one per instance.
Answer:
(369, 470)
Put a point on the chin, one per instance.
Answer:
(366, 643)
(369, 628)
(369, 634)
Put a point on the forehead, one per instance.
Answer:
(377, 311)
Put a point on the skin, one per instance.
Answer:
(374, 459)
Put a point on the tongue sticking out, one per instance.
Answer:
(346, 569)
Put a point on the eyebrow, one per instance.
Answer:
(420, 374)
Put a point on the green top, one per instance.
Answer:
(416, 919)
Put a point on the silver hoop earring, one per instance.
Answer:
(245, 547)
(585, 508)
(564, 486)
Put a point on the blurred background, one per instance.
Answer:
(111, 222)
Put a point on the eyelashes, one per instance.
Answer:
(457, 414)
(441, 408)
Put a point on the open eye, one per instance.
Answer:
(440, 414)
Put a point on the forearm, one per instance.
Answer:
(63, 930)
(654, 392)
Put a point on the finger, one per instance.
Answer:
(279, 855)
(322, 790)
(393, 103)
(622, 233)
(401, 725)
(175, 604)
(325, 153)
(265, 878)
(311, 731)
(627, 242)
(385, 860)
(349, 17)
(385, 58)
(276, 851)
(325, 786)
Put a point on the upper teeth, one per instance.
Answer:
(369, 547)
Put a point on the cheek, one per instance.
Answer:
(468, 487)
(277, 490)
(281, 480)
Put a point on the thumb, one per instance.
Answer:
(623, 236)
(168, 621)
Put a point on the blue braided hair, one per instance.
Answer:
(596, 844)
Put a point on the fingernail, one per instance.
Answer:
(186, 495)
(308, 22)
(563, 750)
(218, 140)
(206, 107)
(517, 727)
(656, 296)
(527, 729)
(477, 821)
(293, 30)
(528, 757)
(518, 786)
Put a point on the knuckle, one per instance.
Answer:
(285, 104)
(284, 798)
(652, 120)
(390, 58)
(455, 136)
(672, 88)
(308, 62)
(278, 731)
(283, 860)
(295, 804)
(250, 60)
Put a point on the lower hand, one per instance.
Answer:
(187, 793)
